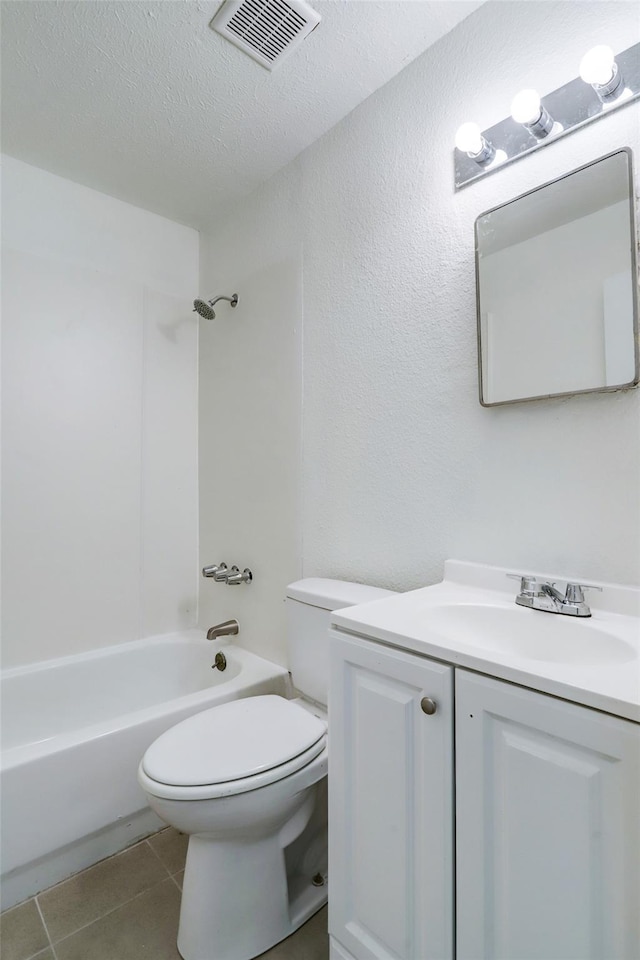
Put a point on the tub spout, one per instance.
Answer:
(227, 629)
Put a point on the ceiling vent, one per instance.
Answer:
(268, 30)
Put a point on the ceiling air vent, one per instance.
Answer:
(268, 30)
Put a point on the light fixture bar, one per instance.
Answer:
(571, 107)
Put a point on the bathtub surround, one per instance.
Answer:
(250, 436)
(99, 419)
(401, 467)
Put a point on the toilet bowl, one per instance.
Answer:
(246, 781)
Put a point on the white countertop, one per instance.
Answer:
(412, 621)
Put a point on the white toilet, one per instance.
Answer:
(247, 781)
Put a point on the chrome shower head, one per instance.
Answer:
(205, 307)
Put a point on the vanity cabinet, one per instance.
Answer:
(547, 827)
(546, 844)
(390, 804)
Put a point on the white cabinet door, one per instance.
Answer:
(547, 827)
(390, 803)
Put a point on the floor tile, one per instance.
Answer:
(143, 929)
(44, 955)
(310, 942)
(22, 932)
(171, 847)
(179, 878)
(94, 892)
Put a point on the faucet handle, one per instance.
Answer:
(529, 586)
(245, 577)
(574, 591)
(211, 570)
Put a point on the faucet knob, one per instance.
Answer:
(529, 586)
(574, 591)
(245, 577)
(211, 570)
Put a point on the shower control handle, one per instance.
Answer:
(218, 572)
(236, 578)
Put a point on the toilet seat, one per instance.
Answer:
(232, 748)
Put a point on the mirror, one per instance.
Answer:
(556, 291)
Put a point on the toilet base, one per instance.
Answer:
(214, 926)
(240, 898)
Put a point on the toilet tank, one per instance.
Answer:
(309, 604)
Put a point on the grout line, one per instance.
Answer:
(46, 928)
(156, 854)
(109, 912)
(173, 877)
(51, 944)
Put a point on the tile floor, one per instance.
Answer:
(125, 908)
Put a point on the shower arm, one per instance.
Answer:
(232, 300)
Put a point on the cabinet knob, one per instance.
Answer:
(428, 705)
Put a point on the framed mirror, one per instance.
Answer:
(556, 287)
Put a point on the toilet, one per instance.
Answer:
(246, 781)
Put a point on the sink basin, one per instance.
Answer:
(528, 634)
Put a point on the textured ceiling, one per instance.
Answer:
(141, 100)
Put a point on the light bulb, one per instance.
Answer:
(598, 65)
(525, 107)
(469, 139)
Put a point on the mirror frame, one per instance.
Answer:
(634, 276)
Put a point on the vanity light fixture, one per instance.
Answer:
(607, 82)
(527, 109)
(469, 140)
(599, 68)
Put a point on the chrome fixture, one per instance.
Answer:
(235, 578)
(469, 139)
(229, 628)
(527, 109)
(218, 572)
(598, 67)
(221, 573)
(542, 595)
(606, 82)
(205, 307)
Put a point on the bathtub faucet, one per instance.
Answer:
(227, 629)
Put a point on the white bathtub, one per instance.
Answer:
(73, 733)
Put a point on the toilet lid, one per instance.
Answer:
(232, 741)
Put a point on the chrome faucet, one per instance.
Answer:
(227, 629)
(542, 595)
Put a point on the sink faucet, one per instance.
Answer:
(542, 595)
(227, 629)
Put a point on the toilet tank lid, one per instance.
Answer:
(333, 594)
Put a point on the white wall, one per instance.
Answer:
(401, 466)
(99, 419)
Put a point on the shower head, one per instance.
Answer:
(205, 307)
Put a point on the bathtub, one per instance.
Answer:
(73, 733)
